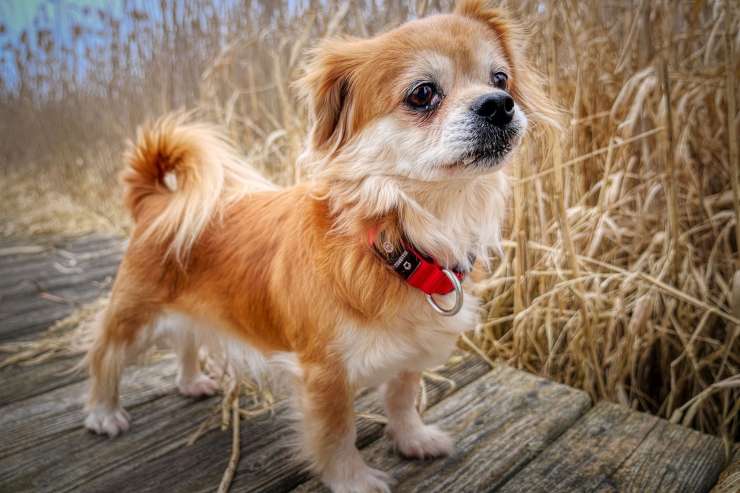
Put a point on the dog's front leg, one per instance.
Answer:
(327, 431)
(412, 437)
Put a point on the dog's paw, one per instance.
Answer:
(107, 421)
(199, 386)
(359, 479)
(422, 442)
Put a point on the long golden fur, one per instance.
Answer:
(289, 272)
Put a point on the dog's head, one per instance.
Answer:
(442, 96)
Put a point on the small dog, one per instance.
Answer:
(352, 278)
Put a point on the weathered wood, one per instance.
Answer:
(74, 296)
(155, 457)
(72, 459)
(267, 463)
(14, 326)
(90, 243)
(500, 422)
(24, 382)
(153, 453)
(514, 432)
(29, 265)
(58, 262)
(40, 288)
(671, 458)
(28, 256)
(55, 270)
(613, 448)
(54, 277)
(35, 421)
(729, 480)
(11, 252)
(25, 325)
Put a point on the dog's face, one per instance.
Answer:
(438, 97)
(455, 112)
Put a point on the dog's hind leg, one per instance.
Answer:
(191, 381)
(118, 341)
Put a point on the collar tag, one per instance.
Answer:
(419, 271)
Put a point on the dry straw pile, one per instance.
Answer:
(623, 243)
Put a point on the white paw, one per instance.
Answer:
(199, 386)
(422, 442)
(355, 476)
(368, 480)
(107, 421)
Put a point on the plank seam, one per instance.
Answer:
(516, 470)
(629, 456)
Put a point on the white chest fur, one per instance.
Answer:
(417, 339)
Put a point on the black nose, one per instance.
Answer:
(496, 107)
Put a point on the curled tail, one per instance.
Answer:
(179, 175)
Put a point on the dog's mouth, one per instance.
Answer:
(489, 148)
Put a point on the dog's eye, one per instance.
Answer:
(500, 80)
(424, 97)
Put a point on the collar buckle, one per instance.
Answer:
(449, 312)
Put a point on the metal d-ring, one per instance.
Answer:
(458, 297)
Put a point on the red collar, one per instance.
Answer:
(418, 270)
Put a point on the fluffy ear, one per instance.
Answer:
(497, 19)
(327, 86)
(527, 86)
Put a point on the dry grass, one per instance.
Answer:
(623, 244)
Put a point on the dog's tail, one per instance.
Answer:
(180, 175)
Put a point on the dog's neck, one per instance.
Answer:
(448, 220)
(453, 219)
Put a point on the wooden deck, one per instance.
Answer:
(514, 431)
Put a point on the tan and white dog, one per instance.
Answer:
(410, 131)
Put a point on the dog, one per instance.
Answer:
(355, 277)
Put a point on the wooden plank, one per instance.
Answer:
(587, 454)
(25, 316)
(26, 256)
(55, 267)
(64, 463)
(500, 422)
(33, 422)
(671, 458)
(613, 448)
(25, 325)
(74, 296)
(173, 466)
(24, 382)
(729, 480)
(90, 243)
(10, 250)
(50, 278)
(13, 327)
(153, 455)
(15, 251)
(267, 463)
(38, 291)
(29, 264)
(57, 262)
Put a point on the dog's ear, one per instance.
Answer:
(527, 86)
(507, 32)
(327, 86)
